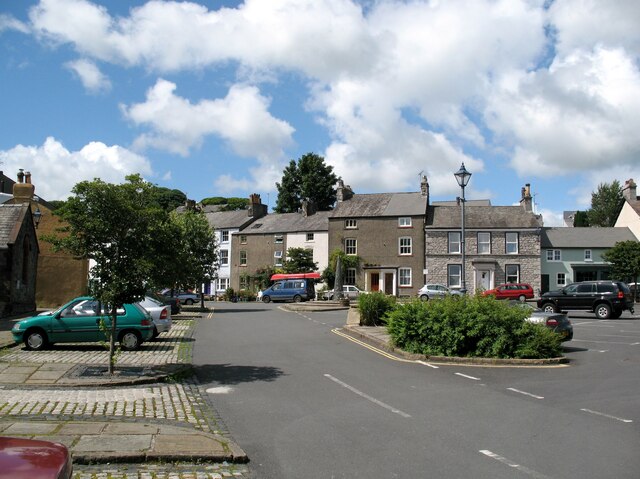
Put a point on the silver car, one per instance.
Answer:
(160, 313)
(556, 322)
(348, 291)
(433, 291)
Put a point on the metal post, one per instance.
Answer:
(463, 290)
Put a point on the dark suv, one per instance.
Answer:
(607, 299)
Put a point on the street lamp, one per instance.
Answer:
(37, 214)
(462, 177)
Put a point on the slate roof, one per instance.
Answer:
(10, 214)
(584, 237)
(381, 204)
(289, 223)
(482, 217)
(228, 219)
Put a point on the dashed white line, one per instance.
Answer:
(512, 464)
(607, 415)
(367, 397)
(468, 377)
(525, 393)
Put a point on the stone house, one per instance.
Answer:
(629, 216)
(575, 254)
(225, 225)
(18, 259)
(502, 244)
(265, 242)
(386, 231)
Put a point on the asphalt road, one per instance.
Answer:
(305, 402)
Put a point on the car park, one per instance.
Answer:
(22, 458)
(84, 319)
(607, 299)
(519, 291)
(435, 291)
(348, 291)
(160, 314)
(557, 322)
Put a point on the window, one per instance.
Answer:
(484, 243)
(224, 236)
(224, 257)
(243, 258)
(244, 281)
(243, 239)
(561, 279)
(350, 224)
(404, 246)
(350, 276)
(278, 239)
(454, 274)
(351, 246)
(554, 255)
(310, 237)
(587, 255)
(223, 283)
(277, 258)
(256, 226)
(405, 277)
(404, 222)
(454, 243)
(511, 241)
(512, 272)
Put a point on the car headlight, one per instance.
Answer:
(16, 327)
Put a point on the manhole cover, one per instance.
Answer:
(102, 371)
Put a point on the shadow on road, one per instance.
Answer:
(232, 374)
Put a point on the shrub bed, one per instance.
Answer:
(374, 307)
(470, 327)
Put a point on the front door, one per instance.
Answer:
(388, 283)
(375, 281)
(483, 279)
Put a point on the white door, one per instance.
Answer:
(483, 279)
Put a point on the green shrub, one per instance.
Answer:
(470, 326)
(374, 306)
(229, 294)
(246, 295)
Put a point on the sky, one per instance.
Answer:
(214, 98)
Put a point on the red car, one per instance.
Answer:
(520, 291)
(22, 458)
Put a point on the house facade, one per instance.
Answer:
(630, 214)
(18, 259)
(502, 245)
(225, 224)
(575, 254)
(265, 242)
(386, 231)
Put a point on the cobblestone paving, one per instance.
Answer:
(163, 471)
(173, 347)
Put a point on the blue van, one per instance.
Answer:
(289, 290)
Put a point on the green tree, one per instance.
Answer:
(581, 219)
(121, 228)
(169, 199)
(308, 179)
(625, 261)
(299, 260)
(226, 204)
(348, 261)
(606, 203)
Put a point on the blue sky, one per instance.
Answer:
(214, 98)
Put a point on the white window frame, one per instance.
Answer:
(454, 234)
(350, 224)
(485, 244)
(404, 277)
(351, 244)
(243, 239)
(561, 279)
(404, 222)
(405, 246)
(511, 242)
(513, 279)
(278, 239)
(224, 257)
(588, 255)
(224, 236)
(554, 255)
(310, 237)
(243, 258)
(350, 276)
(223, 284)
(277, 258)
(452, 274)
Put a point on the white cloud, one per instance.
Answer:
(55, 170)
(241, 118)
(90, 75)
(7, 22)
(551, 218)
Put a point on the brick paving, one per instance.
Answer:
(177, 471)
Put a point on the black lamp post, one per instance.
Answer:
(462, 177)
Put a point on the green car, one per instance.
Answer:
(84, 320)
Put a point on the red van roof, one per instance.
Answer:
(278, 276)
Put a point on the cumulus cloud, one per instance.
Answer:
(55, 169)
(90, 75)
(7, 22)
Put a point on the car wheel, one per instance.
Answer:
(521, 298)
(130, 340)
(424, 297)
(549, 308)
(188, 302)
(297, 298)
(616, 314)
(266, 299)
(35, 340)
(155, 333)
(603, 311)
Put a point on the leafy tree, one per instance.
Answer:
(122, 229)
(169, 199)
(299, 260)
(310, 178)
(348, 261)
(606, 203)
(581, 219)
(226, 204)
(55, 204)
(625, 261)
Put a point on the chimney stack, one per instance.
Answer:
(23, 192)
(256, 208)
(308, 207)
(343, 192)
(629, 191)
(527, 199)
(424, 188)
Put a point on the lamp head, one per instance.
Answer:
(462, 176)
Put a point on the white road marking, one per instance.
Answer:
(468, 377)
(367, 397)
(427, 364)
(220, 390)
(525, 393)
(607, 415)
(605, 342)
(512, 464)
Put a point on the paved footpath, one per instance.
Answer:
(138, 424)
